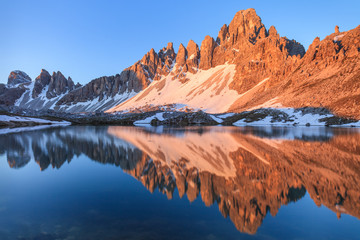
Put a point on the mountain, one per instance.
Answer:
(106, 92)
(56, 93)
(41, 94)
(244, 55)
(246, 67)
(249, 67)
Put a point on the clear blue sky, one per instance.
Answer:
(89, 39)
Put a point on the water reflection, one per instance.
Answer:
(247, 172)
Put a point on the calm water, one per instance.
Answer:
(180, 183)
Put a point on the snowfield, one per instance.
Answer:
(41, 123)
(207, 90)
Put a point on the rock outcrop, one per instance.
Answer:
(337, 30)
(8, 96)
(17, 77)
(59, 85)
(193, 52)
(187, 60)
(54, 85)
(206, 53)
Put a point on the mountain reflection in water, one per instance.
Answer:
(248, 172)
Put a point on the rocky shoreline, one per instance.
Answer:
(10, 121)
(261, 117)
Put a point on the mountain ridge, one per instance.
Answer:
(255, 67)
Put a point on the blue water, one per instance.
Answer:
(89, 188)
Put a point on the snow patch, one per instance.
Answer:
(216, 119)
(338, 37)
(146, 121)
(295, 118)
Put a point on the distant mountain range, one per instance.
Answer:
(246, 67)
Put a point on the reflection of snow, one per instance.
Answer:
(23, 129)
(6, 118)
(209, 151)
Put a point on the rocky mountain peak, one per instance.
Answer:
(40, 82)
(223, 34)
(246, 25)
(206, 52)
(337, 29)
(170, 50)
(167, 53)
(56, 83)
(273, 32)
(17, 77)
(181, 55)
(59, 85)
(187, 59)
(167, 59)
(193, 53)
(44, 77)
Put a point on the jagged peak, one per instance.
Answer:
(17, 76)
(337, 30)
(192, 47)
(170, 46)
(152, 51)
(181, 55)
(246, 24)
(206, 52)
(43, 73)
(273, 32)
(222, 36)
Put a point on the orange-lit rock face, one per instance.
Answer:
(243, 170)
(327, 75)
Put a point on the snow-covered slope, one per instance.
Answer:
(20, 123)
(207, 90)
(96, 104)
(40, 102)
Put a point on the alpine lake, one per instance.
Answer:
(116, 182)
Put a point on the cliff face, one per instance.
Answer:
(258, 53)
(327, 76)
(246, 174)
